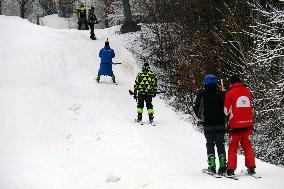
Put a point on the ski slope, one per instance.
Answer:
(59, 129)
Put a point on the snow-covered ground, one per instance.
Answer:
(54, 21)
(59, 129)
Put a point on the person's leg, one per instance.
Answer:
(220, 144)
(86, 24)
(140, 106)
(79, 24)
(248, 150)
(92, 34)
(232, 152)
(149, 106)
(113, 78)
(98, 78)
(210, 145)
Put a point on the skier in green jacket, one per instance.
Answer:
(145, 89)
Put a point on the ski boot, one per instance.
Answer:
(222, 164)
(113, 78)
(211, 164)
(93, 37)
(98, 79)
(151, 118)
(251, 171)
(230, 173)
(139, 118)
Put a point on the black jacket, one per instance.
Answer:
(209, 107)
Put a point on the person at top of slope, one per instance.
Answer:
(238, 107)
(92, 20)
(106, 54)
(82, 17)
(209, 107)
(145, 89)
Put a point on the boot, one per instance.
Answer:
(113, 78)
(151, 118)
(211, 164)
(98, 78)
(251, 171)
(222, 165)
(230, 172)
(139, 117)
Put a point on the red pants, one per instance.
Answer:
(243, 138)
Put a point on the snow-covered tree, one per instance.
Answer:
(128, 25)
(253, 48)
(25, 5)
(266, 66)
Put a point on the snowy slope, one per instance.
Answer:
(59, 129)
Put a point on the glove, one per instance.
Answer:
(135, 94)
(154, 95)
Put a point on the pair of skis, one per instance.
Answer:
(143, 123)
(115, 83)
(215, 175)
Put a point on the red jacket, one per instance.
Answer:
(238, 106)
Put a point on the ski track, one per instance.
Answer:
(60, 129)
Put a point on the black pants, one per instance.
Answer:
(92, 26)
(215, 137)
(81, 22)
(140, 103)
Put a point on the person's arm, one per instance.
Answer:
(228, 103)
(100, 54)
(113, 54)
(196, 107)
(136, 84)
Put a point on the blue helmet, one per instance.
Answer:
(210, 79)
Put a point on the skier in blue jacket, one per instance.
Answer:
(106, 54)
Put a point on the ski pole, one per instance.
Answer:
(222, 85)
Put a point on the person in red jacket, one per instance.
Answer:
(238, 107)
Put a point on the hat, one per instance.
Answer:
(107, 43)
(146, 67)
(210, 79)
(234, 79)
(92, 8)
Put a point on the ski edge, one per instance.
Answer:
(215, 175)
(254, 175)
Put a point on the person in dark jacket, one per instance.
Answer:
(209, 108)
(92, 20)
(106, 54)
(145, 89)
(82, 17)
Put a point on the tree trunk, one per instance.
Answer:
(22, 9)
(127, 11)
(128, 25)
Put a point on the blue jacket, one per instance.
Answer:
(106, 54)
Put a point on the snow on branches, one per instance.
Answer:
(255, 51)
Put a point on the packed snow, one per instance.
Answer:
(61, 130)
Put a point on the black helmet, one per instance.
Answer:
(146, 67)
(234, 79)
